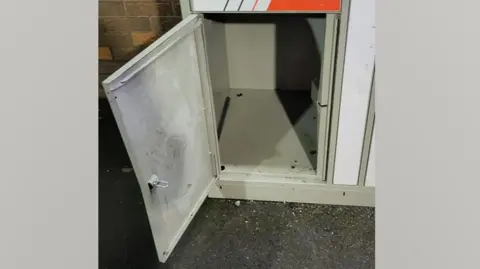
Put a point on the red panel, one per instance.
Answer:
(304, 5)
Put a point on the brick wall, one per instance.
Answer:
(125, 27)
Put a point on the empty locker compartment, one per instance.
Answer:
(262, 68)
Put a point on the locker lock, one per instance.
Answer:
(155, 182)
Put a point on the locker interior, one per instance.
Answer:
(262, 68)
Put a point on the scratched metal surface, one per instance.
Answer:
(163, 114)
(253, 235)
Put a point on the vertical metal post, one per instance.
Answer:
(325, 91)
(185, 8)
(337, 88)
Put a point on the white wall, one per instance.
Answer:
(358, 70)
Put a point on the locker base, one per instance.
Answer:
(250, 187)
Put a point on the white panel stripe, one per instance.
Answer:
(357, 77)
(262, 5)
(247, 5)
(233, 5)
(208, 5)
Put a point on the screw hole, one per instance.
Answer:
(222, 167)
(343, 193)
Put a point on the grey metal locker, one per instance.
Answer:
(232, 106)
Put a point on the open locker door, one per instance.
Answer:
(325, 92)
(162, 103)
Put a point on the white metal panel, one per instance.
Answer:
(357, 76)
(229, 5)
(247, 5)
(158, 103)
(233, 5)
(266, 5)
(370, 179)
(208, 5)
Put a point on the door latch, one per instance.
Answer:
(155, 182)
